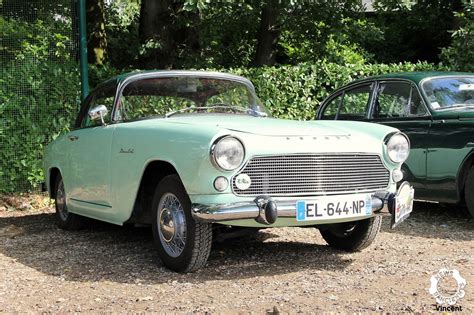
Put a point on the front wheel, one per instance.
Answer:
(183, 244)
(352, 236)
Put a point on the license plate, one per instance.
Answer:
(349, 206)
(403, 204)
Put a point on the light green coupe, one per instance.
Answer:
(191, 152)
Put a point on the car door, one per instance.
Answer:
(399, 104)
(89, 183)
(450, 143)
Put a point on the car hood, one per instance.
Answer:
(268, 126)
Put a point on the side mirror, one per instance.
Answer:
(98, 112)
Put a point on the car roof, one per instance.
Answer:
(147, 73)
(415, 76)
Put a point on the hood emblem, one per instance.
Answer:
(130, 151)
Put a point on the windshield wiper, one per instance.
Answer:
(233, 108)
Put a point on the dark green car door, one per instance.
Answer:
(399, 104)
(451, 143)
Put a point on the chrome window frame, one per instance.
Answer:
(170, 74)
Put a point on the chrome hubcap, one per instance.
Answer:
(61, 202)
(167, 225)
(171, 224)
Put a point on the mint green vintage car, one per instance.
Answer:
(193, 153)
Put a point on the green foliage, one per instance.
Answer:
(38, 100)
(460, 54)
(122, 32)
(38, 40)
(411, 30)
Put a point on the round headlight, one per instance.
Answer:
(228, 153)
(398, 148)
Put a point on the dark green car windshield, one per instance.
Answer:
(449, 92)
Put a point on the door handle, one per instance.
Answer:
(73, 138)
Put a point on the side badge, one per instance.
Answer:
(243, 181)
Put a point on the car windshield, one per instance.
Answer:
(450, 92)
(178, 95)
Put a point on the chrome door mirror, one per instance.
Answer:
(98, 112)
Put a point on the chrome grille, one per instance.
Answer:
(313, 174)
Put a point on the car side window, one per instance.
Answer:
(104, 96)
(398, 99)
(332, 108)
(351, 104)
(355, 103)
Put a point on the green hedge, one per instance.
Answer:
(37, 101)
(40, 100)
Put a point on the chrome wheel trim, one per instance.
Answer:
(61, 202)
(171, 223)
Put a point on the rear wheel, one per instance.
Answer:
(183, 244)
(469, 191)
(352, 236)
(65, 219)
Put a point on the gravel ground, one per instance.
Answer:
(109, 268)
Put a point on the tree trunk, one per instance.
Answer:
(167, 30)
(97, 37)
(155, 32)
(268, 34)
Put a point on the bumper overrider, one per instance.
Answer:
(266, 210)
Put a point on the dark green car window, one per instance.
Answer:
(332, 107)
(398, 99)
(349, 105)
(355, 103)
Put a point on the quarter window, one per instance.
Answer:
(349, 105)
(355, 103)
(398, 99)
(332, 108)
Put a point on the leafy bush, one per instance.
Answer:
(39, 100)
(460, 54)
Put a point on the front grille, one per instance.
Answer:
(313, 174)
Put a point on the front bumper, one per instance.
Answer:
(266, 211)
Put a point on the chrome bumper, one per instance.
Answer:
(265, 210)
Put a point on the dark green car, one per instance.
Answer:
(436, 111)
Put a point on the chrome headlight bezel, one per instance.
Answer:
(216, 155)
(398, 147)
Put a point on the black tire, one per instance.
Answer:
(469, 191)
(352, 236)
(177, 254)
(65, 219)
